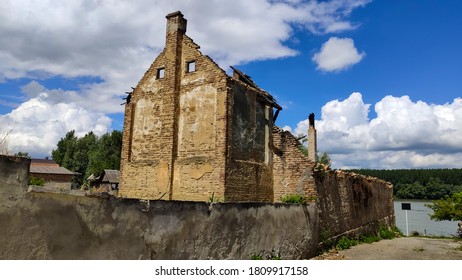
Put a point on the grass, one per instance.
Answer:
(256, 257)
(266, 256)
(384, 233)
(370, 239)
(346, 243)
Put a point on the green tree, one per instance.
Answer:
(448, 208)
(106, 154)
(84, 147)
(325, 159)
(64, 153)
(89, 154)
(411, 191)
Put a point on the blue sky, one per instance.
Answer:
(382, 77)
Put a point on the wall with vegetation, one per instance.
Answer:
(353, 204)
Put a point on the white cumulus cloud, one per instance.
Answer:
(337, 54)
(108, 45)
(40, 123)
(404, 133)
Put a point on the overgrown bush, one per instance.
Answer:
(370, 239)
(294, 199)
(36, 181)
(386, 233)
(345, 243)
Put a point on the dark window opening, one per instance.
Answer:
(191, 66)
(160, 73)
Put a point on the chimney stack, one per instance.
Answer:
(312, 145)
(176, 23)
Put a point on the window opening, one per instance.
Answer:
(160, 73)
(191, 66)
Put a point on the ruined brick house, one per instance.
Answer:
(191, 132)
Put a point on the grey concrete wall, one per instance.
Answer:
(43, 225)
(353, 204)
(51, 224)
(14, 170)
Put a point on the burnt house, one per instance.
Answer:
(192, 132)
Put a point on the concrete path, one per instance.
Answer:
(403, 248)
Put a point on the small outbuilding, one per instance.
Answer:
(54, 175)
(108, 181)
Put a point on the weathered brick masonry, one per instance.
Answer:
(293, 171)
(191, 132)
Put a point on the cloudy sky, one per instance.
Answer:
(384, 78)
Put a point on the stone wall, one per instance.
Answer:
(353, 204)
(175, 125)
(292, 170)
(41, 225)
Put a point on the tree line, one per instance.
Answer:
(419, 183)
(89, 154)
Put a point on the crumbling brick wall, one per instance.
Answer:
(175, 125)
(191, 132)
(249, 170)
(292, 170)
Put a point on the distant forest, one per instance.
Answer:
(419, 183)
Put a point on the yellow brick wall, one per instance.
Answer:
(174, 142)
(292, 170)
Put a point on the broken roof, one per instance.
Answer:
(243, 77)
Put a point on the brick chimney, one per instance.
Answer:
(176, 23)
(312, 145)
(176, 29)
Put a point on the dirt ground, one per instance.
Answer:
(403, 248)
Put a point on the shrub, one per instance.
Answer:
(36, 181)
(294, 199)
(370, 239)
(345, 243)
(386, 233)
(256, 257)
(326, 239)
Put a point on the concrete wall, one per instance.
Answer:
(353, 204)
(38, 225)
(14, 170)
(56, 224)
